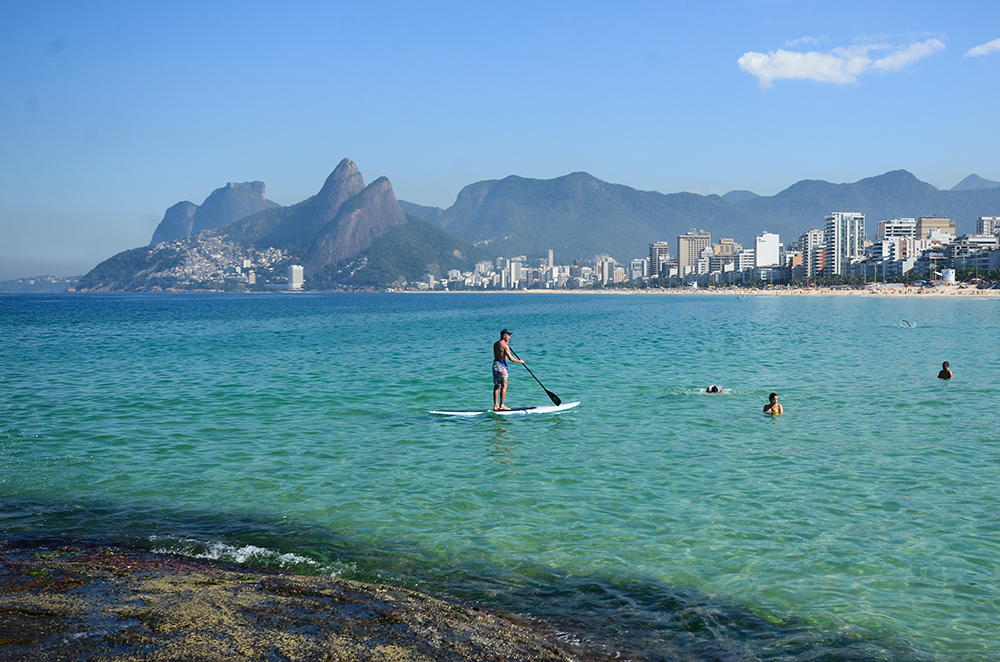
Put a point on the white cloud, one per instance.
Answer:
(907, 55)
(839, 65)
(984, 49)
(804, 40)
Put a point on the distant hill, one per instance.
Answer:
(578, 215)
(739, 196)
(225, 205)
(974, 183)
(431, 214)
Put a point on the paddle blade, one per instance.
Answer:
(553, 397)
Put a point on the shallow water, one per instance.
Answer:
(655, 519)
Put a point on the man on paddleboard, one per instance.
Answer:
(501, 353)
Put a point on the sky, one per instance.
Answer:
(111, 112)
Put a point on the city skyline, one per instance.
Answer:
(113, 112)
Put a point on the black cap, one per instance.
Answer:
(505, 332)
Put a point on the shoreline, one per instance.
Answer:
(69, 598)
(897, 292)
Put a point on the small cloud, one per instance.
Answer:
(907, 55)
(804, 40)
(838, 65)
(984, 49)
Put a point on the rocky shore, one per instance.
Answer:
(63, 600)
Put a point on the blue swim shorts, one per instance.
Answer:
(499, 373)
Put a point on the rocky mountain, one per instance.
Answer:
(974, 183)
(307, 223)
(404, 254)
(225, 205)
(580, 216)
(361, 220)
(344, 219)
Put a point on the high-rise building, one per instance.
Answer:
(766, 248)
(295, 278)
(690, 246)
(988, 225)
(845, 240)
(927, 223)
(904, 228)
(657, 256)
(811, 242)
(551, 259)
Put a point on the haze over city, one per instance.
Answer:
(111, 113)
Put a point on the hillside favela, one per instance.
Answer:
(574, 232)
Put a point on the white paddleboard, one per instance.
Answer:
(544, 409)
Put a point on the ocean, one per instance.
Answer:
(652, 522)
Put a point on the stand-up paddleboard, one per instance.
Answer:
(544, 409)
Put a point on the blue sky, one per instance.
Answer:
(110, 112)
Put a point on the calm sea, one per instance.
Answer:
(654, 521)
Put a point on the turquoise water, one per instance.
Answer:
(652, 522)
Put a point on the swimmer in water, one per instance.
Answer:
(908, 324)
(946, 372)
(772, 407)
(713, 389)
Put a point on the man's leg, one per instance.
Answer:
(503, 394)
(496, 392)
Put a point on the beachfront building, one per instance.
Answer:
(927, 223)
(658, 255)
(988, 225)
(905, 228)
(844, 237)
(767, 248)
(812, 245)
(689, 248)
(295, 278)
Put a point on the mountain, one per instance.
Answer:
(345, 218)
(225, 205)
(406, 253)
(361, 220)
(305, 225)
(578, 215)
(739, 196)
(431, 214)
(974, 183)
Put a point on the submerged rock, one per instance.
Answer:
(62, 600)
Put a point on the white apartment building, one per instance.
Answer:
(905, 228)
(988, 225)
(811, 242)
(295, 278)
(658, 254)
(845, 240)
(767, 248)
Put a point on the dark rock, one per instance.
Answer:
(76, 601)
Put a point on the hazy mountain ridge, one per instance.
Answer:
(974, 182)
(578, 215)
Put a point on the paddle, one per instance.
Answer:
(552, 396)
